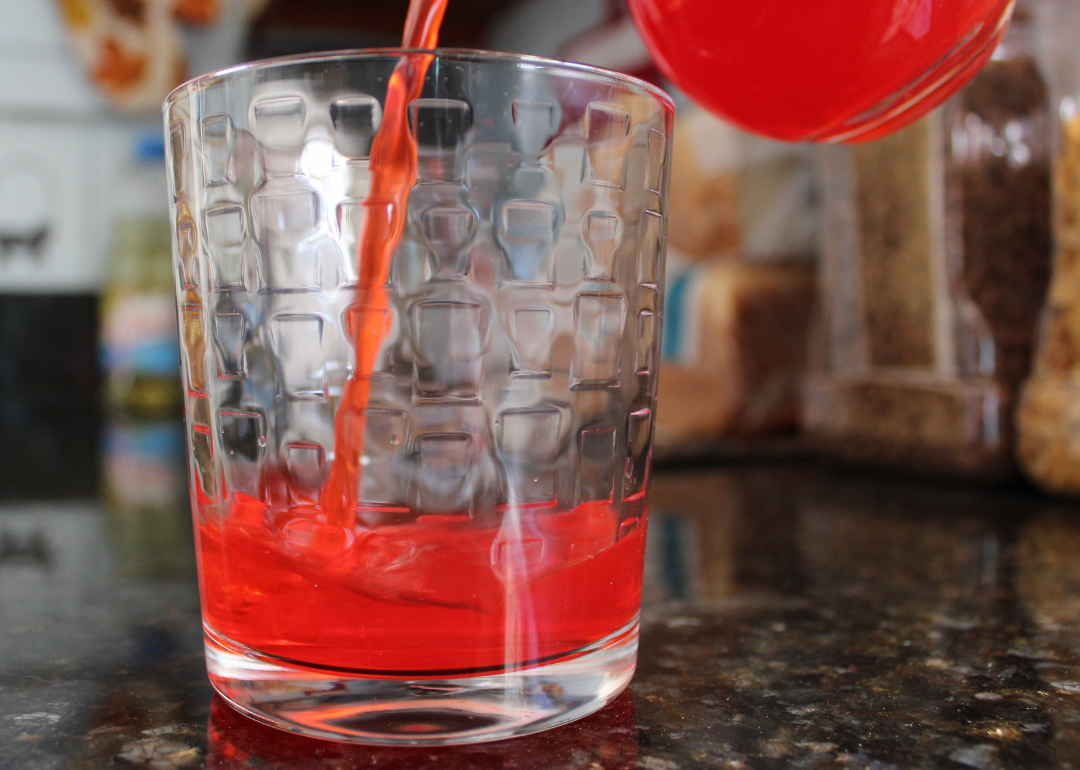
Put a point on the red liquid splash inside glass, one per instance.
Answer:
(431, 595)
(822, 69)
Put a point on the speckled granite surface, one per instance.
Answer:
(794, 618)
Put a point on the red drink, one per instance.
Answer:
(398, 591)
(830, 69)
(428, 595)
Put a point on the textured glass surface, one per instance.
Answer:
(518, 363)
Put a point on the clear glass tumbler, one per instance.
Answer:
(488, 582)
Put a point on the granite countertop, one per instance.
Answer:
(795, 617)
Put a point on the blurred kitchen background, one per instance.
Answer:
(896, 304)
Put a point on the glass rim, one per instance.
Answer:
(460, 54)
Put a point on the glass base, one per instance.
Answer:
(421, 712)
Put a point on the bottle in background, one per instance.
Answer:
(143, 454)
(139, 345)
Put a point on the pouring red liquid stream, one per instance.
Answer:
(393, 170)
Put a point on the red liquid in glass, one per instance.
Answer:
(431, 594)
(397, 592)
(820, 70)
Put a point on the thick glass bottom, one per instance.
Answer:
(422, 711)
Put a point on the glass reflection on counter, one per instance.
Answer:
(769, 532)
(605, 740)
(717, 535)
(145, 493)
(942, 554)
(1048, 571)
(53, 571)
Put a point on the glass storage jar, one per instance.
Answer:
(936, 256)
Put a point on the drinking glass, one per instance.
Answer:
(488, 582)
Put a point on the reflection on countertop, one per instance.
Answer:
(794, 617)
